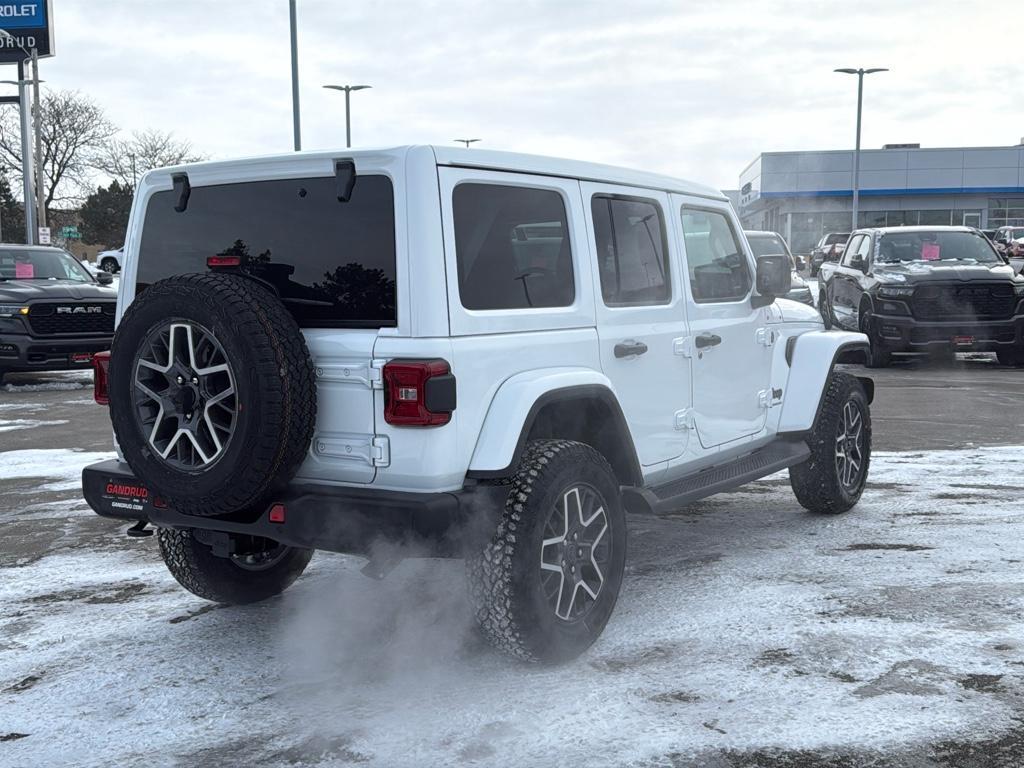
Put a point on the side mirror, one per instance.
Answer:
(104, 278)
(857, 262)
(774, 279)
(800, 264)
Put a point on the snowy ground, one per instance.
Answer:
(748, 633)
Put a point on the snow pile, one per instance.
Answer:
(12, 424)
(744, 623)
(61, 466)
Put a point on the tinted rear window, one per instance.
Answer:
(512, 247)
(332, 263)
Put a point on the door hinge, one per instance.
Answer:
(766, 336)
(377, 374)
(683, 346)
(380, 451)
(684, 419)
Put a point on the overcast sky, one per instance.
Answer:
(691, 89)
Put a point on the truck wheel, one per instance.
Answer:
(879, 355)
(262, 569)
(546, 584)
(212, 392)
(1006, 357)
(109, 264)
(832, 479)
(825, 310)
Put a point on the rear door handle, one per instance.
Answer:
(706, 340)
(630, 348)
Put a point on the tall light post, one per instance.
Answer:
(348, 123)
(296, 123)
(31, 234)
(856, 153)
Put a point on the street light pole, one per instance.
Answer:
(28, 195)
(856, 152)
(296, 125)
(348, 90)
(37, 123)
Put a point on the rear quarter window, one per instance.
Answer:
(332, 263)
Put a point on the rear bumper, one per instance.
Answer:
(900, 332)
(342, 519)
(20, 352)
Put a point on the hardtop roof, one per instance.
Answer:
(489, 160)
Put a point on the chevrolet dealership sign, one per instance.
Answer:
(30, 23)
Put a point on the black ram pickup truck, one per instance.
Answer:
(925, 289)
(54, 315)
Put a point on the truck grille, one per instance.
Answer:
(85, 318)
(993, 301)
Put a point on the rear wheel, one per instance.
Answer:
(546, 584)
(879, 355)
(832, 479)
(257, 568)
(109, 264)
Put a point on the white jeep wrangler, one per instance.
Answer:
(472, 354)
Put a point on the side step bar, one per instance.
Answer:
(677, 493)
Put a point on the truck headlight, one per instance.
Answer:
(895, 292)
(12, 310)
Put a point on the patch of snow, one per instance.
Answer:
(62, 466)
(744, 623)
(49, 386)
(13, 424)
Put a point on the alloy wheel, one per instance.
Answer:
(849, 446)
(575, 553)
(184, 395)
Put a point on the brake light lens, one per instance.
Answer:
(223, 261)
(100, 377)
(418, 393)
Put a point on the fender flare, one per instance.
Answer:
(516, 405)
(812, 356)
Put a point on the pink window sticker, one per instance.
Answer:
(24, 271)
(930, 251)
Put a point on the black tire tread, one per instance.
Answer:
(490, 572)
(814, 482)
(197, 569)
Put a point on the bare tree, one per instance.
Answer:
(127, 159)
(74, 131)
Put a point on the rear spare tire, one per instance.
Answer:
(212, 392)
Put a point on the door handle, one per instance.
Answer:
(706, 340)
(630, 348)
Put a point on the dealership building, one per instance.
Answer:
(803, 195)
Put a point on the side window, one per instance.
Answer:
(632, 251)
(512, 247)
(717, 264)
(853, 249)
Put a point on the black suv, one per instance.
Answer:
(925, 289)
(54, 315)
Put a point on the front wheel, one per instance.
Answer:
(825, 310)
(832, 479)
(545, 585)
(257, 568)
(879, 355)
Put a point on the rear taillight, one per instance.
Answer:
(100, 376)
(418, 393)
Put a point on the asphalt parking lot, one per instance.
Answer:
(748, 633)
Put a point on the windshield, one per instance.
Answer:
(765, 245)
(936, 246)
(26, 264)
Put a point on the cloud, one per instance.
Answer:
(693, 90)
